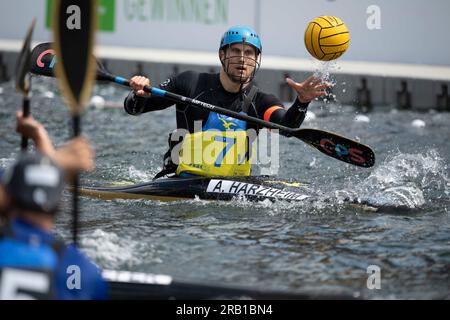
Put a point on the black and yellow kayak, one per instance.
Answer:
(177, 188)
(256, 188)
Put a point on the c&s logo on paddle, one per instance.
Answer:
(45, 57)
(342, 151)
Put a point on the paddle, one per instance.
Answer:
(74, 31)
(329, 143)
(23, 82)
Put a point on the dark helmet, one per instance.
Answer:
(35, 183)
(241, 34)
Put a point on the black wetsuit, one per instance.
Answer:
(207, 87)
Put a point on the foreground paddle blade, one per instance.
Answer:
(338, 147)
(74, 29)
(23, 62)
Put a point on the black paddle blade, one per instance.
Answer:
(338, 147)
(74, 31)
(43, 60)
(23, 62)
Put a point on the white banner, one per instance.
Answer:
(402, 31)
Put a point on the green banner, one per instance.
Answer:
(106, 15)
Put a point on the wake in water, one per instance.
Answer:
(403, 181)
(114, 252)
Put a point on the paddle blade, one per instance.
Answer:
(338, 147)
(23, 62)
(74, 33)
(43, 60)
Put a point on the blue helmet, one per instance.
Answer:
(241, 34)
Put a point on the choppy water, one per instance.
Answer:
(320, 246)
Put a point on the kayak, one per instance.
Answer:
(126, 285)
(225, 189)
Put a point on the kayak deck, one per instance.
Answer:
(173, 189)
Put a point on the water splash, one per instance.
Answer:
(6, 162)
(324, 70)
(403, 180)
(141, 175)
(113, 252)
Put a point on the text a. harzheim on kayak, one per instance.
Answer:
(239, 188)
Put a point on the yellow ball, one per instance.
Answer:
(327, 38)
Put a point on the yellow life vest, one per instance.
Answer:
(221, 149)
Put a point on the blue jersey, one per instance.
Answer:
(34, 264)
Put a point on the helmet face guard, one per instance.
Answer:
(244, 36)
(231, 61)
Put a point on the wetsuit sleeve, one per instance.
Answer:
(270, 108)
(136, 105)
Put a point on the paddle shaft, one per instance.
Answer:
(23, 79)
(26, 113)
(330, 144)
(76, 123)
(203, 105)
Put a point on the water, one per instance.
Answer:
(321, 246)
